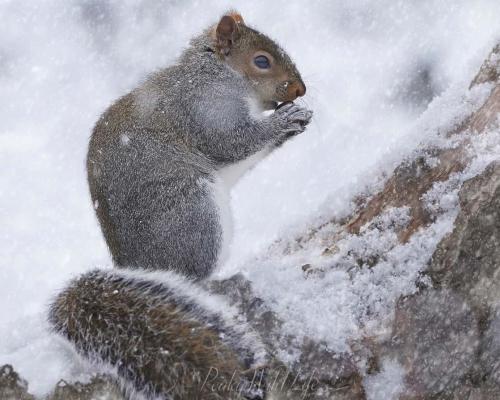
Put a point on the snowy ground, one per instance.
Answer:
(371, 69)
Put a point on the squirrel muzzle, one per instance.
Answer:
(294, 89)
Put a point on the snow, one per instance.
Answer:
(348, 291)
(387, 384)
(371, 69)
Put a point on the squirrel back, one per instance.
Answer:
(160, 165)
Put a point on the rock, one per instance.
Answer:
(317, 373)
(447, 337)
(489, 359)
(239, 293)
(101, 387)
(12, 386)
(490, 71)
(468, 260)
(435, 339)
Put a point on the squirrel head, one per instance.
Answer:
(255, 56)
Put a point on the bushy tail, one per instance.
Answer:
(163, 337)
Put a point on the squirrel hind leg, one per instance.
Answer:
(165, 223)
(161, 342)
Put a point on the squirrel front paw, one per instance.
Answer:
(293, 119)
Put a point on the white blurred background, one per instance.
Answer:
(371, 68)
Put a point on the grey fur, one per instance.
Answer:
(154, 153)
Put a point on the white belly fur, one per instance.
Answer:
(225, 179)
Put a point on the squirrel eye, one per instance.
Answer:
(262, 62)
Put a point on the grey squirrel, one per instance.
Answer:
(160, 165)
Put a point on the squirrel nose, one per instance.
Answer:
(296, 89)
(301, 89)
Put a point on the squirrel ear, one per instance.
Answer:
(237, 17)
(227, 32)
